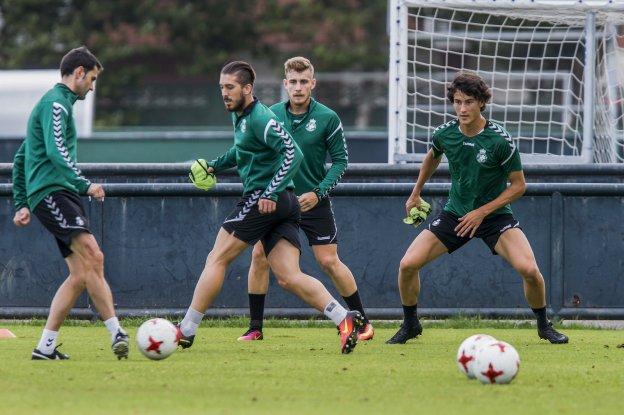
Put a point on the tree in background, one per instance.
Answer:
(143, 41)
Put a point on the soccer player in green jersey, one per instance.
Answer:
(482, 159)
(47, 183)
(318, 131)
(267, 158)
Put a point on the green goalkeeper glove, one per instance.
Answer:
(418, 214)
(200, 177)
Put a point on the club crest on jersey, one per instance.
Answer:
(481, 156)
(311, 125)
(243, 125)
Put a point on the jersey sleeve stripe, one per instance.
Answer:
(266, 130)
(335, 183)
(513, 150)
(57, 105)
(59, 141)
(335, 131)
(289, 156)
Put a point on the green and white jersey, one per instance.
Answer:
(317, 132)
(264, 153)
(479, 165)
(46, 160)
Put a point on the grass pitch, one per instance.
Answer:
(298, 369)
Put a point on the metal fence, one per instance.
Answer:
(156, 237)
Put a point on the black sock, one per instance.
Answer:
(355, 303)
(542, 319)
(256, 311)
(410, 313)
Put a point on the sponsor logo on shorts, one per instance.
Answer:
(436, 222)
(323, 238)
(79, 221)
(311, 125)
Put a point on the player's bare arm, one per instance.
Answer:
(469, 223)
(429, 166)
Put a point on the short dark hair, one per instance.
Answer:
(470, 84)
(79, 57)
(245, 74)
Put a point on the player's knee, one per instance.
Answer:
(530, 272)
(93, 257)
(329, 264)
(259, 258)
(409, 265)
(216, 258)
(284, 282)
(78, 281)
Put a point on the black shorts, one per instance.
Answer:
(63, 215)
(443, 227)
(319, 224)
(246, 223)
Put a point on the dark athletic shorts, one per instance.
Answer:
(246, 223)
(63, 215)
(319, 224)
(443, 227)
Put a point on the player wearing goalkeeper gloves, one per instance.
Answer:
(482, 159)
(318, 131)
(267, 158)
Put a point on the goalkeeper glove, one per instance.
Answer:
(418, 214)
(200, 177)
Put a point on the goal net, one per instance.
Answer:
(555, 69)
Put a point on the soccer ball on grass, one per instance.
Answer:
(466, 354)
(157, 338)
(496, 362)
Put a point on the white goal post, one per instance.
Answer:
(555, 68)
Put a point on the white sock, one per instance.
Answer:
(48, 341)
(112, 325)
(335, 312)
(188, 325)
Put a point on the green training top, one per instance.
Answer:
(46, 160)
(264, 153)
(479, 165)
(317, 132)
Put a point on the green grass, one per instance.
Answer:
(298, 369)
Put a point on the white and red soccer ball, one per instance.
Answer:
(157, 338)
(467, 353)
(496, 362)
(491, 361)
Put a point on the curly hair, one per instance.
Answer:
(470, 84)
(298, 64)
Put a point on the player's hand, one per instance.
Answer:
(413, 201)
(308, 200)
(266, 206)
(22, 217)
(470, 222)
(96, 191)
